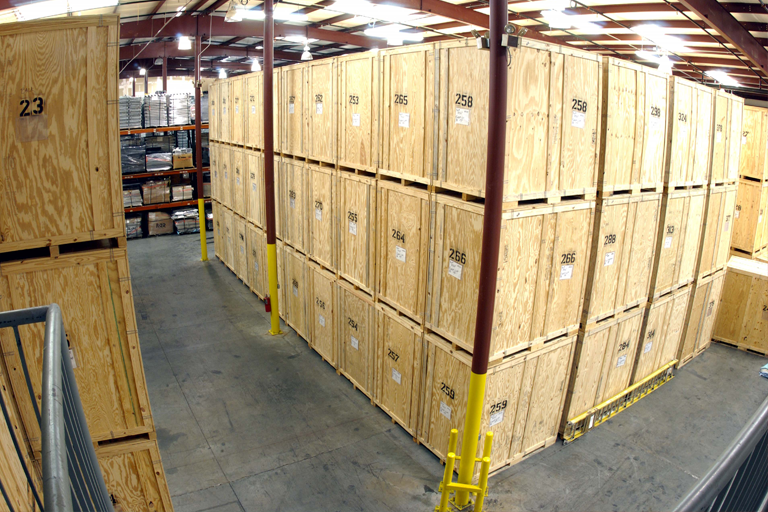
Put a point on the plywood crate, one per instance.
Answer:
(293, 198)
(229, 238)
(254, 115)
(678, 240)
(605, 357)
(718, 228)
(225, 180)
(294, 109)
(322, 110)
(356, 214)
(523, 403)
(322, 313)
(321, 182)
(297, 291)
(542, 272)
(225, 115)
(359, 98)
(726, 147)
(255, 188)
(213, 162)
(700, 320)
(278, 188)
(278, 114)
(282, 309)
(621, 259)
(60, 181)
(689, 151)
(754, 132)
(257, 261)
(356, 336)
(213, 111)
(134, 475)
(743, 316)
(240, 258)
(403, 217)
(662, 332)
(633, 131)
(553, 108)
(240, 181)
(238, 92)
(408, 106)
(750, 230)
(93, 289)
(217, 227)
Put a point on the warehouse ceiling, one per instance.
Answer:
(698, 38)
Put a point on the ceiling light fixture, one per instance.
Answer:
(306, 55)
(723, 78)
(142, 71)
(663, 61)
(222, 73)
(394, 34)
(656, 35)
(185, 43)
(239, 14)
(366, 11)
(255, 66)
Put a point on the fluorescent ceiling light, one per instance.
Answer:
(185, 43)
(366, 10)
(456, 30)
(656, 35)
(252, 14)
(50, 8)
(142, 71)
(299, 39)
(222, 73)
(393, 34)
(558, 19)
(723, 78)
(665, 65)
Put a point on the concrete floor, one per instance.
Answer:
(251, 422)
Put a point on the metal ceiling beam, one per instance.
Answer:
(197, 6)
(156, 73)
(154, 50)
(718, 18)
(157, 8)
(335, 19)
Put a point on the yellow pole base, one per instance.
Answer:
(201, 219)
(274, 303)
(471, 434)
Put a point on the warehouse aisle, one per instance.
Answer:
(251, 422)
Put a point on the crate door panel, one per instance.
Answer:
(611, 244)
(294, 176)
(670, 240)
(448, 398)
(254, 115)
(703, 141)
(256, 260)
(240, 181)
(356, 339)
(752, 143)
(691, 237)
(577, 163)
(682, 132)
(466, 120)
(736, 114)
(620, 357)
(644, 225)
(295, 278)
(323, 318)
(225, 175)
(586, 381)
(399, 373)
(357, 147)
(225, 114)
(726, 227)
(294, 79)
(652, 169)
(357, 204)
(711, 229)
(720, 143)
(322, 111)
(529, 119)
(673, 330)
(321, 218)
(502, 395)
(238, 110)
(622, 118)
(255, 187)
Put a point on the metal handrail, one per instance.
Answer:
(72, 479)
(739, 479)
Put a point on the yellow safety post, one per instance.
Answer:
(198, 146)
(272, 272)
(471, 431)
(447, 486)
(201, 216)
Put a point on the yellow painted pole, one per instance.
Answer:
(450, 460)
(471, 434)
(274, 302)
(485, 467)
(203, 241)
(198, 147)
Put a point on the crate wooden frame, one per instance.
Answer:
(240, 181)
(297, 292)
(254, 118)
(726, 145)
(240, 257)
(718, 229)
(356, 196)
(295, 127)
(321, 202)
(257, 261)
(322, 116)
(238, 113)
(225, 111)
(750, 230)
(742, 319)
(359, 80)
(356, 307)
(700, 318)
(322, 301)
(293, 198)
(753, 162)
(255, 188)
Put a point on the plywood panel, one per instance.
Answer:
(254, 115)
(296, 292)
(322, 306)
(356, 214)
(743, 316)
(294, 109)
(322, 111)
(225, 111)
(750, 221)
(240, 181)
(225, 171)
(753, 148)
(726, 146)
(94, 292)
(60, 178)
(238, 93)
(321, 182)
(718, 227)
(359, 97)
(702, 311)
(357, 336)
(254, 194)
(257, 261)
(240, 259)
(213, 111)
(293, 196)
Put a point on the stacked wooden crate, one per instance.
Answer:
(62, 240)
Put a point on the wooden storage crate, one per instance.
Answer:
(254, 115)
(634, 126)
(322, 110)
(225, 114)
(726, 147)
(662, 332)
(743, 317)
(322, 310)
(240, 258)
(400, 353)
(605, 357)
(93, 289)
(240, 181)
(237, 92)
(60, 181)
(293, 198)
(294, 110)
(134, 475)
(213, 111)
(690, 138)
(700, 320)
(357, 336)
(278, 188)
(213, 163)
(754, 133)
(542, 272)
(678, 240)
(255, 188)
(229, 239)
(750, 230)
(297, 291)
(356, 214)
(408, 107)
(524, 396)
(718, 228)
(621, 259)
(403, 217)
(282, 309)
(321, 182)
(359, 97)
(225, 166)
(553, 112)
(257, 261)
(217, 227)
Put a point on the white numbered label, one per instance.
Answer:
(647, 347)
(743, 140)
(253, 187)
(668, 242)
(445, 410)
(256, 266)
(296, 290)
(290, 108)
(354, 342)
(462, 116)
(72, 358)
(455, 269)
(253, 109)
(578, 119)
(319, 214)
(238, 181)
(620, 362)
(293, 203)
(355, 119)
(719, 137)
(404, 120)
(318, 108)
(609, 257)
(566, 271)
(399, 253)
(396, 376)
(237, 109)
(224, 111)
(353, 227)
(736, 214)
(321, 320)
(497, 418)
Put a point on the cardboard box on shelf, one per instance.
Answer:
(182, 193)
(160, 223)
(156, 192)
(182, 159)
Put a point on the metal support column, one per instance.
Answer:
(269, 163)
(486, 297)
(198, 145)
(165, 69)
